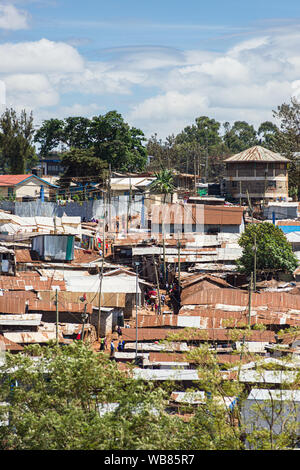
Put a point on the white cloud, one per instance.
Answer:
(32, 90)
(170, 104)
(13, 19)
(168, 88)
(39, 56)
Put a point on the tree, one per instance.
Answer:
(205, 137)
(163, 184)
(50, 135)
(16, 133)
(82, 166)
(268, 134)
(273, 251)
(76, 132)
(240, 136)
(117, 143)
(289, 140)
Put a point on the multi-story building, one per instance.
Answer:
(258, 172)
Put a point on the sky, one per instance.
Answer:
(161, 64)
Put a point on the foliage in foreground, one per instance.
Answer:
(55, 406)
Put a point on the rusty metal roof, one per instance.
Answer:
(10, 345)
(257, 154)
(30, 283)
(146, 321)
(190, 334)
(214, 318)
(237, 297)
(197, 214)
(12, 305)
(43, 306)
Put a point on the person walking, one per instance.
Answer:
(162, 299)
(112, 348)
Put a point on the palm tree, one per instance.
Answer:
(163, 184)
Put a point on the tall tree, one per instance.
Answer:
(205, 137)
(289, 140)
(50, 135)
(117, 143)
(268, 134)
(76, 132)
(240, 136)
(16, 135)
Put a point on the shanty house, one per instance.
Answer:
(196, 218)
(26, 187)
(259, 173)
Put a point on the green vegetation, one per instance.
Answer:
(163, 184)
(273, 251)
(17, 152)
(55, 406)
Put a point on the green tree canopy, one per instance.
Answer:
(50, 135)
(16, 141)
(273, 251)
(117, 143)
(288, 142)
(240, 136)
(112, 139)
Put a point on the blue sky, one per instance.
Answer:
(160, 63)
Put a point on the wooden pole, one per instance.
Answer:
(57, 314)
(101, 271)
(157, 283)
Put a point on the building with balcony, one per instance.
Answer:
(258, 172)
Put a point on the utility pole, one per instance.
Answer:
(240, 193)
(206, 161)
(129, 204)
(57, 314)
(164, 260)
(157, 283)
(109, 198)
(250, 289)
(136, 310)
(178, 246)
(250, 299)
(101, 271)
(254, 284)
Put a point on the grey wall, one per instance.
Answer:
(87, 209)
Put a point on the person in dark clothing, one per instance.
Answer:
(119, 331)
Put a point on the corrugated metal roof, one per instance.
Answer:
(200, 214)
(221, 334)
(32, 337)
(30, 283)
(214, 318)
(43, 306)
(259, 394)
(20, 320)
(165, 374)
(9, 345)
(257, 154)
(237, 297)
